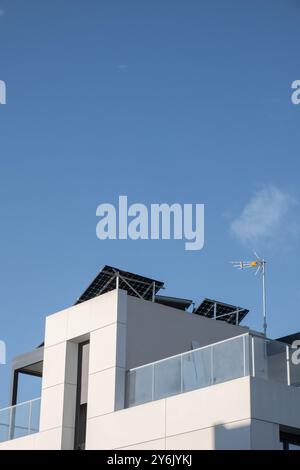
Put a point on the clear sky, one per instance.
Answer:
(162, 101)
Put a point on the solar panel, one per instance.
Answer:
(134, 284)
(175, 302)
(225, 312)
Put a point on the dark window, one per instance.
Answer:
(290, 440)
(81, 402)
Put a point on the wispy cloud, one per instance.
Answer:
(267, 217)
(123, 66)
(2, 12)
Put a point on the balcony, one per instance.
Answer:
(241, 356)
(20, 420)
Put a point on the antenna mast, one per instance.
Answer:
(260, 265)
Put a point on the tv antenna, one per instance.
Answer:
(260, 265)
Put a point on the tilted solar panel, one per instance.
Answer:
(134, 284)
(221, 311)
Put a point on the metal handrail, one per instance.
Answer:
(12, 423)
(19, 404)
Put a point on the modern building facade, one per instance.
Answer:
(126, 368)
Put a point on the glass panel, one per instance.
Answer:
(247, 355)
(14, 421)
(35, 416)
(4, 424)
(139, 385)
(277, 362)
(167, 378)
(295, 367)
(260, 358)
(270, 360)
(196, 369)
(228, 360)
(20, 420)
(294, 446)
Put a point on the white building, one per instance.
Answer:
(125, 368)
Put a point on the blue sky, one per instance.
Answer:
(163, 101)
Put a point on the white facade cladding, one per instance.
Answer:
(120, 373)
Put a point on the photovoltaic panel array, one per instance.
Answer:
(224, 312)
(134, 284)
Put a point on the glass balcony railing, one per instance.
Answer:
(20, 420)
(227, 360)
